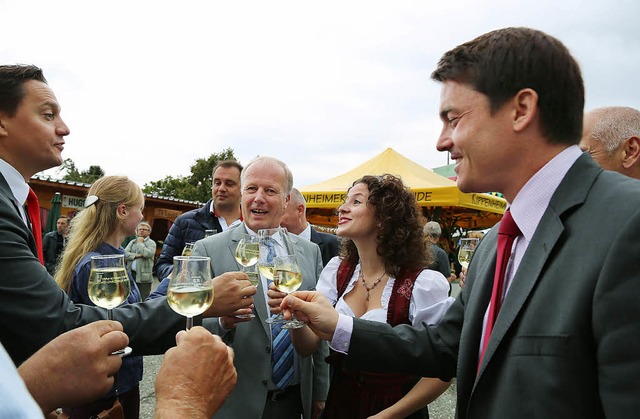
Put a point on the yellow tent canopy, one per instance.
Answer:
(439, 196)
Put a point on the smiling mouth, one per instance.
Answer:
(258, 212)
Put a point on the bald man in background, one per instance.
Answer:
(295, 221)
(611, 135)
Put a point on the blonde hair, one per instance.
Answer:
(96, 222)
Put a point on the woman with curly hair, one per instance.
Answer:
(380, 275)
(112, 211)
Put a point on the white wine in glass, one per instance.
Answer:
(188, 249)
(467, 247)
(247, 254)
(190, 290)
(248, 250)
(253, 275)
(266, 270)
(270, 239)
(287, 278)
(109, 286)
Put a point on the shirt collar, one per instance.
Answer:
(306, 233)
(19, 188)
(532, 201)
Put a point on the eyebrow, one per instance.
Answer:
(52, 104)
(444, 113)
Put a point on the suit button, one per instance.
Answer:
(264, 382)
(268, 349)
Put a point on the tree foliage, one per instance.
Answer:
(86, 176)
(195, 187)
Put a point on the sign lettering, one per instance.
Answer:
(72, 201)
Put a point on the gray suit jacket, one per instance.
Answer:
(34, 310)
(566, 343)
(252, 340)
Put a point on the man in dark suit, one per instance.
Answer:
(295, 220)
(566, 338)
(221, 212)
(33, 309)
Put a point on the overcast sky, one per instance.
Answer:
(147, 87)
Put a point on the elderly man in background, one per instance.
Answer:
(295, 221)
(220, 213)
(432, 233)
(139, 254)
(612, 136)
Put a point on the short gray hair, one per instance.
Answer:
(298, 198)
(614, 125)
(273, 162)
(432, 229)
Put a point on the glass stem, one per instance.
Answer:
(189, 322)
(109, 314)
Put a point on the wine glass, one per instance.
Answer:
(188, 249)
(248, 251)
(247, 254)
(467, 247)
(272, 239)
(209, 233)
(109, 286)
(287, 278)
(190, 290)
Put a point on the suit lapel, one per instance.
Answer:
(6, 190)
(572, 191)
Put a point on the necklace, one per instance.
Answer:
(375, 283)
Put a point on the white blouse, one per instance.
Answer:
(429, 298)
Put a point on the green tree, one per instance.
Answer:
(195, 187)
(85, 176)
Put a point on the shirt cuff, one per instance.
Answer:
(342, 336)
(221, 328)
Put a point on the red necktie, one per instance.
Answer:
(33, 209)
(507, 232)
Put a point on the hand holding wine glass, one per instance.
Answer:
(190, 290)
(109, 286)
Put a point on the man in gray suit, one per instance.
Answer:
(295, 220)
(266, 183)
(566, 339)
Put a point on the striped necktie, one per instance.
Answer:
(282, 356)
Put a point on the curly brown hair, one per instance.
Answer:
(400, 238)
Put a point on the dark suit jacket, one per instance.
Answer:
(566, 343)
(328, 243)
(188, 227)
(34, 310)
